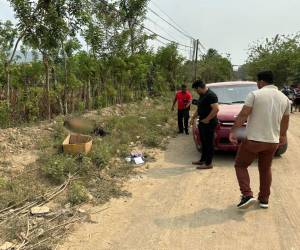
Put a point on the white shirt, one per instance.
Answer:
(269, 105)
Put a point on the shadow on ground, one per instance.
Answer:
(203, 218)
(162, 173)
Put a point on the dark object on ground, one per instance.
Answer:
(100, 132)
(81, 126)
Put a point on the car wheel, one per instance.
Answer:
(281, 150)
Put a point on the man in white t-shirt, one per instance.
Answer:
(267, 113)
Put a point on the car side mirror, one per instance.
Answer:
(195, 102)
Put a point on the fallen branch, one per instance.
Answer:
(41, 200)
(26, 237)
(55, 229)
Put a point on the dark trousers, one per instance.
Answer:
(183, 120)
(207, 135)
(248, 152)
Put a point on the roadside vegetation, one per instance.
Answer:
(63, 182)
(47, 71)
(281, 54)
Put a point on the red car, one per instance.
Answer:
(231, 99)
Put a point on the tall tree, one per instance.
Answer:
(133, 13)
(8, 36)
(45, 24)
(281, 54)
(169, 63)
(214, 67)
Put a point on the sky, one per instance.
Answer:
(230, 26)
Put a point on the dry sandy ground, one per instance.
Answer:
(173, 206)
(18, 147)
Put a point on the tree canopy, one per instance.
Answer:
(281, 54)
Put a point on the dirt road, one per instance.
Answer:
(173, 206)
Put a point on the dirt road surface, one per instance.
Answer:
(173, 206)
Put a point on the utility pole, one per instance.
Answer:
(196, 60)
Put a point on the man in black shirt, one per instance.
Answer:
(207, 111)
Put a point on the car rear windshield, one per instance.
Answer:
(233, 94)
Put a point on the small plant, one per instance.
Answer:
(152, 140)
(57, 167)
(77, 194)
(100, 155)
(2, 183)
(4, 115)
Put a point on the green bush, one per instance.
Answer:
(57, 167)
(2, 183)
(100, 154)
(77, 194)
(32, 104)
(81, 106)
(84, 164)
(152, 140)
(100, 102)
(4, 114)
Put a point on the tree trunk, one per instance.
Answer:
(47, 72)
(88, 94)
(72, 101)
(7, 73)
(65, 99)
(60, 104)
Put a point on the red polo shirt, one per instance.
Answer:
(183, 99)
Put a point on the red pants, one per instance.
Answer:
(247, 153)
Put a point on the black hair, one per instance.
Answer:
(198, 84)
(183, 86)
(266, 76)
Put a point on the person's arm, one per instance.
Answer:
(190, 101)
(239, 122)
(284, 125)
(242, 117)
(174, 102)
(195, 115)
(214, 111)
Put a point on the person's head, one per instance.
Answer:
(264, 78)
(200, 87)
(183, 88)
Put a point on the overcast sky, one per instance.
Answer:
(226, 25)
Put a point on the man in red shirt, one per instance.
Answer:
(184, 99)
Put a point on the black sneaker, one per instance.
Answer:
(264, 205)
(180, 132)
(246, 202)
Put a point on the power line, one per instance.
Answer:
(166, 44)
(180, 30)
(157, 6)
(173, 26)
(162, 28)
(167, 39)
